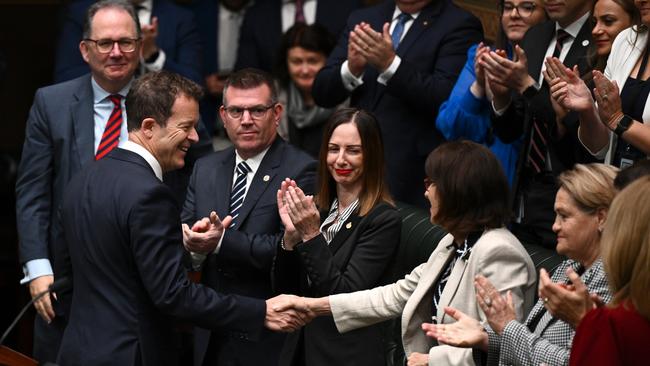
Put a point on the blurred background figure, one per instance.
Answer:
(466, 114)
(347, 247)
(303, 52)
(619, 334)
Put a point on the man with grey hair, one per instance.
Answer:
(69, 125)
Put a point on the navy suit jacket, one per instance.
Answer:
(177, 37)
(59, 140)
(243, 264)
(433, 52)
(125, 248)
(261, 31)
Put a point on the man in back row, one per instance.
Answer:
(124, 243)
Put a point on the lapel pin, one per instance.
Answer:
(348, 225)
(585, 43)
(266, 178)
(425, 23)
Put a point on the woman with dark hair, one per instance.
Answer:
(346, 247)
(303, 52)
(466, 114)
(468, 193)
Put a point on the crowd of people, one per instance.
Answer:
(278, 249)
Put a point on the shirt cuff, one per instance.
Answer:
(350, 82)
(385, 76)
(158, 64)
(500, 112)
(199, 258)
(36, 268)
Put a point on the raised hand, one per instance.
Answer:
(375, 47)
(495, 91)
(466, 332)
(418, 359)
(478, 86)
(566, 86)
(205, 234)
(569, 303)
(303, 213)
(291, 235)
(513, 74)
(356, 61)
(286, 313)
(609, 100)
(149, 36)
(498, 309)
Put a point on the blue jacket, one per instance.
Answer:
(463, 116)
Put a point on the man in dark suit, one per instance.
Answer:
(64, 130)
(551, 140)
(170, 40)
(399, 60)
(122, 228)
(240, 263)
(266, 21)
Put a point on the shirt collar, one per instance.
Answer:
(253, 162)
(146, 5)
(397, 13)
(99, 94)
(146, 155)
(574, 28)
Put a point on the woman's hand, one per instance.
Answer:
(466, 332)
(566, 87)
(498, 309)
(418, 359)
(291, 235)
(478, 86)
(495, 90)
(568, 303)
(609, 100)
(302, 212)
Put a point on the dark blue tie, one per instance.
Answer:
(238, 191)
(399, 29)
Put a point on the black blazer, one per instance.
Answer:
(357, 258)
(433, 53)
(243, 264)
(125, 248)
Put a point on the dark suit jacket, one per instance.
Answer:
(356, 259)
(517, 121)
(433, 52)
(261, 31)
(177, 37)
(243, 263)
(125, 247)
(59, 140)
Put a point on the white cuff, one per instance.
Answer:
(156, 65)
(36, 268)
(385, 76)
(198, 258)
(500, 112)
(350, 82)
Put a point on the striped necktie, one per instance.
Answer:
(111, 135)
(238, 191)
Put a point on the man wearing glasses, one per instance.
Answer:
(69, 125)
(240, 184)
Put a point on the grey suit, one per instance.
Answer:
(498, 255)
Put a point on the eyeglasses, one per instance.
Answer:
(256, 112)
(524, 9)
(427, 183)
(106, 45)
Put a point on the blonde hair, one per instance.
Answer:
(626, 246)
(590, 185)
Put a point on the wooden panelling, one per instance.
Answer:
(486, 11)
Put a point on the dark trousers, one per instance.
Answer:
(47, 338)
(538, 214)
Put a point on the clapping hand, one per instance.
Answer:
(498, 309)
(609, 100)
(302, 211)
(291, 235)
(375, 47)
(466, 332)
(205, 234)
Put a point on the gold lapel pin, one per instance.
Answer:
(425, 23)
(266, 178)
(348, 225)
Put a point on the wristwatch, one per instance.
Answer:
(623, 125)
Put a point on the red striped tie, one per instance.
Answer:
(111, 135)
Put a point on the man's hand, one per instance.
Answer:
(375, 47)
(44, 304)
(418, 359)
(356, 61)
(149, 35)
(286, 313)
(205, 234)
(214, 84)
(569, 303)
(513, 74)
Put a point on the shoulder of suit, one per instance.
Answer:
(64, 88)
(499, 238)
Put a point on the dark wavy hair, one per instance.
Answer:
(374, 188)
(472, 190)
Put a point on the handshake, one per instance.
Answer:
(287, 313)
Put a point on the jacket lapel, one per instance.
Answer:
(423, 21)
(535, 53)
(348, 227)
(83, 121)
(451, 288)
(223, 175)
(577, 54)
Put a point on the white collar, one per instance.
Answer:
(254, 161)
(146, 155)
(99, 94)
(574, 28)
(397, 13)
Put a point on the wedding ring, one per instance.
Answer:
(487, 301)
(545, 300)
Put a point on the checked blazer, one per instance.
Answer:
(550, 343)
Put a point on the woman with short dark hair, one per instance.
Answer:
(468, 193)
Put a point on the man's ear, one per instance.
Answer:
(277, 111)
(83, 48)
(148, 126)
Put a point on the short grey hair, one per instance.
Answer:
(104, 4)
